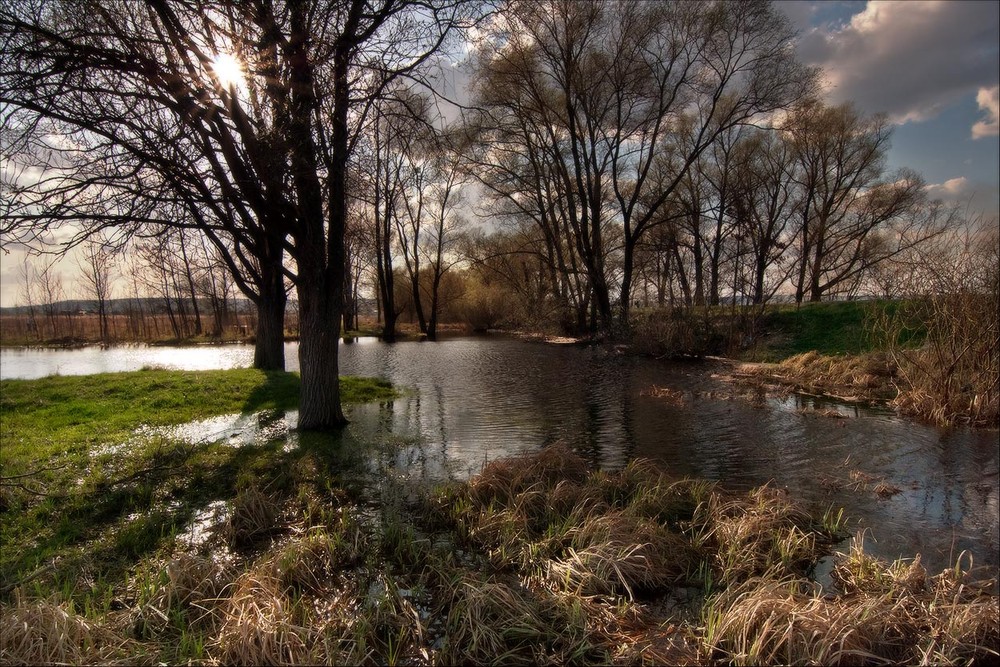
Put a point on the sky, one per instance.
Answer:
(932, 66)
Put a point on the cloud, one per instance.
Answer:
(989, 101)
(972, 196)
(908, 59)
(949, 190)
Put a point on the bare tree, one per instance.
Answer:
(51, 291)
(619, 87)
(853, 215)
(140, 89)
(28, 296)
(95, 266)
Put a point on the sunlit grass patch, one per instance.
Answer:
(85, 479)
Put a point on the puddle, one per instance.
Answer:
(204, 524)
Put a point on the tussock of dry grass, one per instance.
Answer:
(253, 514)
(953, 404)
(864, 376)
(763, 532)
(190, 585)
(494, 622)
(261, 625)
(617, 553)
(886, 613)
(43, 632)
(766, 621)
(503, 480)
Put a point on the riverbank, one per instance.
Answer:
(206, 553)
(917, 357)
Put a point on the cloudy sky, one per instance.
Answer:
(933, 66)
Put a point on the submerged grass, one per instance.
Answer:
(536, 560)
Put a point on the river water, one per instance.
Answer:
(469, 400)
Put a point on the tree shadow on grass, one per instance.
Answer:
(279, 391)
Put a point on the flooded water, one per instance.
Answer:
(469, 400)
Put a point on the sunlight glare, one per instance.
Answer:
(228, 70)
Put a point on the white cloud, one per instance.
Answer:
(909, 59)
(950, 189)
(972, 196)
(989, 101)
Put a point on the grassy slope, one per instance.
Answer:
(829, 328)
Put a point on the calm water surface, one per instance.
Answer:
(475, 399)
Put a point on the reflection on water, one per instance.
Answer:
(476, 399)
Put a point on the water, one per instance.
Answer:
(475, 399)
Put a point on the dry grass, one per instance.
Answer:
(43, 632)
(503, 480)
(261, 625)
(185, 591)
(496, 622)
(889, 614)
(958, 404)
(668, 395)
(616, 553)
(859, 377)
(253, 514)
(536, 561)
(761, 533)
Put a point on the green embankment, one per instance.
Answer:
(829, 328)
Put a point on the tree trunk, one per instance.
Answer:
(320, 256)
(319, 404)
(269, 345)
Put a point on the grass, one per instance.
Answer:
(536, 560)
(829, 328)
(65, 414)
(86, 478)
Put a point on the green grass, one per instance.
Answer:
(86, 479)
(829, 328)
(64, 414)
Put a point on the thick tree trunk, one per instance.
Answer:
(269, 344)
(320, 255)
(319, 405)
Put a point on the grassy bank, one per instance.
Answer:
(90, 472)
(831, 328)
(936, 358)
